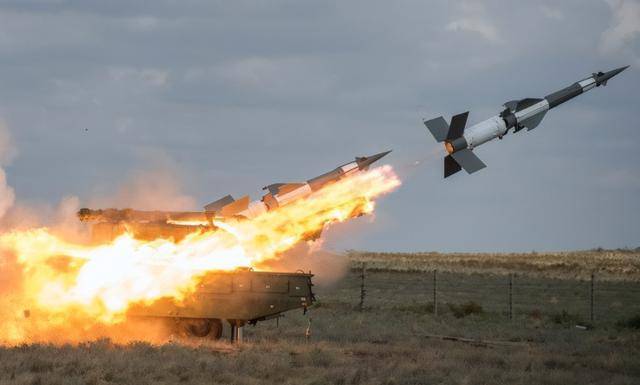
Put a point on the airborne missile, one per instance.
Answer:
(517, 114)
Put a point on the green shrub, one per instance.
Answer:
(567, 319)
(535, 314)
(465, 309)
(630, 323)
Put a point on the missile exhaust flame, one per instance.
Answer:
(76, 291)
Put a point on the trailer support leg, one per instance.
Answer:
(237, 328)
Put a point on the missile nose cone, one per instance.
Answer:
(365, 161)
(603, 77)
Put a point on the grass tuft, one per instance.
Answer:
(465, 309)
(630, 323)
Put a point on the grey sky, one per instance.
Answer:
(233, 95)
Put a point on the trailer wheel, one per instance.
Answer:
(197, 327)
(216, 329)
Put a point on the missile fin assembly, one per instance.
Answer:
(517, 114)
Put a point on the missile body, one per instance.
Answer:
(517, 114)
(278, 195)
(281, 194)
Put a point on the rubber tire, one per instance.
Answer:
(198, 327)
(216, 329)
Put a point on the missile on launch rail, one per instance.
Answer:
(278, 194)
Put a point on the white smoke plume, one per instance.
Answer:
(156, 184)
(328, 268)
(7, 152)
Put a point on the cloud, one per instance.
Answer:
(8, 150)
(142, 23)
(148, 76)
(621, 179)
(266, 78)
(551, 13)
(482, 27)
(624, 31)
(474, 20)
(124, 124)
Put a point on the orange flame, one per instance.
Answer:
(62, 280)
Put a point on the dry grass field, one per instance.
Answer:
(621, 264)
(394, 339)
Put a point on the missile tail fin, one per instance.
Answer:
(450, 166)
(456, 128)
(438, 128)
(219, 204)
(468, 161)
(273, 188)
(235, 207)
(442, 131)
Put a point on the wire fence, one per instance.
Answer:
(587, 301)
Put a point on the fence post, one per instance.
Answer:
(510, 296)
(435, 292)
(591, 299)
(363, 291)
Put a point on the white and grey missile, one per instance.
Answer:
(517, 114)
(281, 194)
(177, 224)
